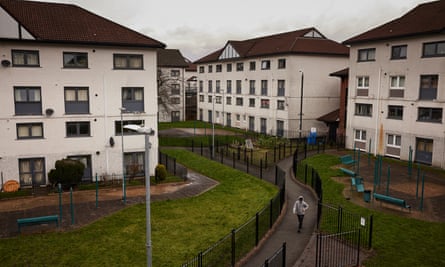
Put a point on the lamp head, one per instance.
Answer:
(140, 129)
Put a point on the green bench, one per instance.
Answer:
(348, 172)
(357, 182)
(347, 159)
(38, 220)
(392, 200)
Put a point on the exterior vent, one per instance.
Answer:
(49, 111)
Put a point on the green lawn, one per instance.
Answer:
(397, 241)
(180, 228)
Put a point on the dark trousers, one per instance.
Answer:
(300, 221)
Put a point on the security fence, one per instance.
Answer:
(278, 259)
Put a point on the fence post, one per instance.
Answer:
(265, 163)
(271, 213)
(233, 159)
(257, 228)
(239, 153)
(261, 169)
(193, 145)
(371, 226)
(305, 150)
(233, 247)
(245, 154)
(251, 156)
(174, 166)
(284, 255)
(222, 155)
(339, 219)
(358, 249)
(247, 164)
(201, 148)
(274, 154)
(305, 174)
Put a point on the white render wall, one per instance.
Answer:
(321, 92)
(105, 99)
(379, 72)
(165, 113)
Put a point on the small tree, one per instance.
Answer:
(68, 172)
(160, 172)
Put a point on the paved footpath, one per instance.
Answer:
(286, 228)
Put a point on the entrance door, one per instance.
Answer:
(424, 151)
(251, 123)
(87, 172)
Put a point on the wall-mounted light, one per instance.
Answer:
(6, 63)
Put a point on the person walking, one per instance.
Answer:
(300, 208)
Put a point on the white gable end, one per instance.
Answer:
(313, 34)
(10, 28)
(229, 52)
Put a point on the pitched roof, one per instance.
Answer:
(171, 58)
(426, 18)
(340, 73)
(54, 22)
(332, 116)
(294, 42)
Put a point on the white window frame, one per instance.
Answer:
(361, 135)
(362, 82)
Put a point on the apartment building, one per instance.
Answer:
(397, 87)
(277, 85)
(171, 85)
(69, 80)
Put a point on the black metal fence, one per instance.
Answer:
(171, 165)
(278, 259)
(340, 249)
(234, 246)
(331, 219)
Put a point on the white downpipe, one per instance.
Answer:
(105, 125)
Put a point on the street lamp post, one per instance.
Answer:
(124, 193)
(301, 105)
(213, 126)
(147, 132)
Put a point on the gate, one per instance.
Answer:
(342, 249)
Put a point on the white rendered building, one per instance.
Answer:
(397, 87)
(256, 84)
(65, 74)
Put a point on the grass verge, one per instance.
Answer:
(180, 228)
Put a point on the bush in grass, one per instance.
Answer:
(68, 172)
(161, 172)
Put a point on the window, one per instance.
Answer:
(229, 86)
(397, 86)
(394, 140)
(118, 128)
(252, 65)
(175, 100)
(282, 63)
(362, 85)
(134, 163)
(201, 69)
(209, 116)
(133, 99)
(210, 87)
(360, 135)
(27, 101)
(218, 68)
(281, 90)
(363, 110)
(174, 73)
(29, 130)
(210, 69)
(229, 67)
(430, 115)
(209, 98)
(395, 112)
(239, 101)
(280, 104)
(252, 87)
(218, 86)
(175, 116)
(201, 86)
(218, 99)
(252, 102)
(265, 64)
(238, 87)
(428, 87)
(251, 123)
(436, 49)
(239, 66)
(263, 87)
(175, 90)
(25, 58)
(32, 172)
(280, 128)
(263, 125)
(75, 60)
(398, 52)
(78, 129)
(366, 54)
(229, 100)
(77, 100)
(201, 98)
(265, 103)
(125, 61)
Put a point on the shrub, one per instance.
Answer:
(68, 172)
(161, 172)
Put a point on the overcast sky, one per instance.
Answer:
(199, 27)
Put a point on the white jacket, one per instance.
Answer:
(300, 206)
